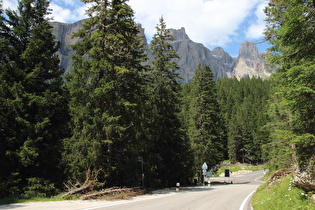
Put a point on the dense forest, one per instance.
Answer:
(127, 124)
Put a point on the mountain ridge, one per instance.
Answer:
(249, 62)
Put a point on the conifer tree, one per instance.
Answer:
(207, 127)
(105, 86)
(169, 155)
(33, 107)
(290, 29)
(244, 104)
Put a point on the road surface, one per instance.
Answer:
(229, 196)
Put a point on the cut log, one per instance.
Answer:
(78, 190)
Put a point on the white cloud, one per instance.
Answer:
(62, 10)
(67, 15)
(211, 22)
(255, 30)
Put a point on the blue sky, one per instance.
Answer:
(214, 23)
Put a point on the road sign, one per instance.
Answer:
(227, 173)
(204, 172)
(209, 174)
(204, 166)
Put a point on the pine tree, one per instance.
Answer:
(244, 104)
(207, 129)
(290, 29)
(168, 156)
(106, 91)
(33, 106)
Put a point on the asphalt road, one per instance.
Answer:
(217, 197)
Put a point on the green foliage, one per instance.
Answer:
(9, 185)
(207, 130)
(106, 92)
(39, 187)
(33, 108)
(290, 28)
(245, 104)
(167, 154)
(281, 194)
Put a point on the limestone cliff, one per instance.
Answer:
(249, 62)
(64, 33)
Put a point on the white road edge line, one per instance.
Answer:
(245, 200)
(124, 202)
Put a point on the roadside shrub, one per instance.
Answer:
(39, 187)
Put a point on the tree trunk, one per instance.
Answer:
(78, 190)
(104, 192)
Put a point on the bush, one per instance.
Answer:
(39, 187)
(9, 186)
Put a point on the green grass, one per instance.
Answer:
(238, 167)
(28, 200)
(281, 195)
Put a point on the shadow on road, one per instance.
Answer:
(11, 206)
(182, 189)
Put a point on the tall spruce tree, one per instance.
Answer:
(32, 104)
(207, 127)
(105, 86)
(169, 157)
(290, 29)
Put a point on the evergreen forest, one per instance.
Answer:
(128, 124)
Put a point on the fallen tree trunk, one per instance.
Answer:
(78, 190)
(107, 191)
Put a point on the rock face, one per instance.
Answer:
(191, 54)
(64, 32)
(248, 64)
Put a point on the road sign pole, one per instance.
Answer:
(204, 172)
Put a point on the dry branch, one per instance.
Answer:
(279, 175)
(78, 190)
(107, 191)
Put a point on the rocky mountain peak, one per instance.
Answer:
(249, 62)
(218, 51)
(179, 34)
(248, 50)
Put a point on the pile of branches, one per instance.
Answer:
(87, 189)
(87, 186)
(113, 190)
(279, 175)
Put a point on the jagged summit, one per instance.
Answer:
(179, 34)
(248, 50)
(248, 63)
